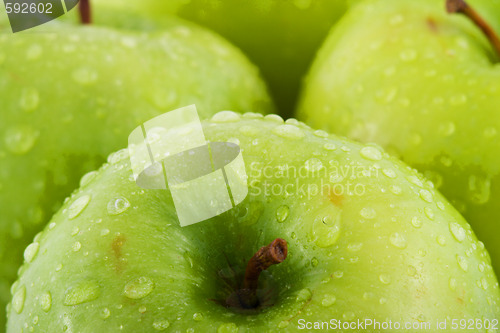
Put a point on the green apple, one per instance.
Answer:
(71, 95)
(368, 237)
(425, 85)
(281, 37)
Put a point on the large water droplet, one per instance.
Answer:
(462, 262)
(416, 222)
(282, 213)
(328, 300)
(118, 205)
(87, 178)
(313, 165)
(426, 196)
(457, 231)
(289, 132)
(225, 117)
(46, 301)
(198, 316)
(371, 153)
(105, 313)
(20, 139)
(274, 118)
(82, 292)
(326, 230)
(18, 299)
(161, 325)
(304, 295)
(118, 156)
(139, 288)
(78, 206)
(31, 252)
(29, 99)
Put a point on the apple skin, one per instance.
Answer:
(71, 95)
(422, 84)
(280, 37)
(397, 250)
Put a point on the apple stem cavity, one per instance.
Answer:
(461, 7)
(267, 256)
(85, 12)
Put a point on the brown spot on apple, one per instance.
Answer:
(431, 23)
(335, 198)
(116, 247)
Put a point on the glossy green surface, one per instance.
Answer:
(425, 85)
(368, 238)
(71, 95)
(280, 37)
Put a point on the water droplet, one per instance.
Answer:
(408, 55)
(161, 325)
(52, 225)
(118, 156)
(59, 267)
(87, 178)
(395, 189)
(484, 283)
(274, 117)
(416, 222)
(198, 316)
(142, 309)
(441, 240)
(314, 262)
(447, 128)
(328, 300)
(18, 299)
(426, 195)
(30, 99)
(75, 231)
(139, 287)
(368, 213)
(338, 274)
(283, 324)
(20, 139)
(389, 173)
(118, 205)
(228, 328)
(457, 231)
(31, 252)
(329, 146)
(225, 117)
(105, 313)
(76, 246)
(289, 132)
(78, 206)
(371, 153)
(85, 76)
(35, 320)
(104, 232)
(250, 131)
(396, 19)
(384, 278)
(128, 42)
(398, 240)
(429, 213)
(304, 295)
(46, 301)
(452, 283)
(354, 247)
(34, 52)
(82, 292)
(313, 165)
(479, 189)
(320, 134)
(282, 213)
(462, 262)
(326, 230)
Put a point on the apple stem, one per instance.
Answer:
(460, 6)
(267, 256)
(85, 12)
